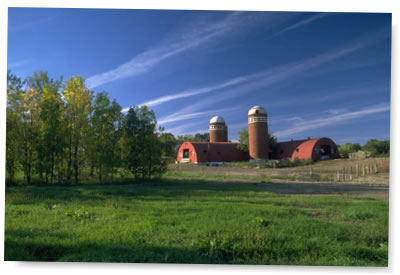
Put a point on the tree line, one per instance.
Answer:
(60, 132)
(377, 148)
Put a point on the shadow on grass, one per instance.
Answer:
(209, 251)
(89, 252)
(171, 188)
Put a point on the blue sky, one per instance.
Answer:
(317, 74)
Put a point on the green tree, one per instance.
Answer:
(169, 143)
(42, 83)
(106, 130)
(52, 133)
(198, 137)
(78, 100)
(377, 148)
(141, 144)
(13, 125)
(244, 141)
(348, 148)
(30, 130)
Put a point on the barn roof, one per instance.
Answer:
(302, 149)
(218, 151)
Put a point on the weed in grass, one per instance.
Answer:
(262, 222)
(79, 214)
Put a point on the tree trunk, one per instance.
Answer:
(76, 173)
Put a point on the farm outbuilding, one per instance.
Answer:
(199, 152)
(315, 149)
(219, 149)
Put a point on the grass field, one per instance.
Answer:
(191, 218)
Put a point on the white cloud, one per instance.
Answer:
(317, 123)
(195, 91)
(148, 59)
(179, 115)
(19, 63)
(304, 22)
(271, 76)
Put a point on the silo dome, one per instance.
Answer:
(217, 119)
(257, 110)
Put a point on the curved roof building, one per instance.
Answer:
(315, 149)
(198, 152)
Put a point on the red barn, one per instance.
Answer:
(197, 152)
(315, 149)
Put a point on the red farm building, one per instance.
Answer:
(198, 152)
(315, 149)
(219, 149)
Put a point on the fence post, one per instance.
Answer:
(351, 173)
(357, 173)
(337, 175)
(344, 174)
(362, 171)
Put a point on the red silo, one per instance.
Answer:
(218, 130)
(258, 133)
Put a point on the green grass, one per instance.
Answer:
(189, 219)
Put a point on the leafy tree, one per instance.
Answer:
(77, 99)
(30, 130)
(244, 140)
(199, 137)
(142, 146)
(169, 143)
(52, 135)
(40, 80)
(377, 148)
(13, 125)
(42, 83)
(106, 130)
(348, 148)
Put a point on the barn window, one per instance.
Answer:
(297, 150)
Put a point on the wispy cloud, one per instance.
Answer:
(244, 84)
(148, 59)
(271, 76)
(180, 115)
(19, 63)
(195, 91)
(321, 122)
(303, 22)
(30, 24)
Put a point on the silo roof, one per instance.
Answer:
(253, 110)
(217, 119)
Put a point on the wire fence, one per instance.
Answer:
(339, 171)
